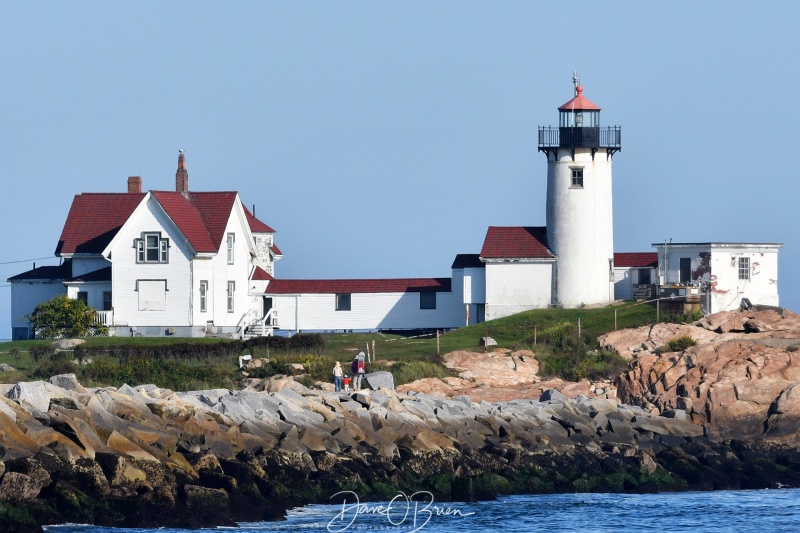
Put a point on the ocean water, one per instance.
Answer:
(765, 511)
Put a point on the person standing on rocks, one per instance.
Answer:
(358, 370)
(337, 377)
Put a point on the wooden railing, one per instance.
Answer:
(103, 318)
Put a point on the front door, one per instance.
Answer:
(267, 305)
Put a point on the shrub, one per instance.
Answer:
(62, 316)
(677, 345)
(681, 318)
(558, 335)
(577, 365)
(406, 372)
(57, 363)
(38, 352)
(302, 342)
(171, 374)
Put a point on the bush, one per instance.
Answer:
(406, 372)
(681, 318)
(38, 352)
(677, 345)
(57, 363)
(62, 316)
(302, 342)
(170, 374)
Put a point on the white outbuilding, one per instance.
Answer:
(722, 273)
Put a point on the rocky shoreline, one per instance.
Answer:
(148, 457)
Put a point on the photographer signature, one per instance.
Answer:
(413, 511)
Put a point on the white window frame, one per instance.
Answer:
(744, 268)
(231, 291)
(576, 180)
(343, 298)
(203, 296)
(231, 240)
(159, 248)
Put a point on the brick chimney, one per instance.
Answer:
(182, 175)
(134, 185)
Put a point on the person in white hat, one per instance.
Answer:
(337, 377)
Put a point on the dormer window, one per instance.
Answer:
(152, 248)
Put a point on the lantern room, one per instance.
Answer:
(579, 112)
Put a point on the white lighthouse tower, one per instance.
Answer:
(580, 226)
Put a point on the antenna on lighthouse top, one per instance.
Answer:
(576, 80)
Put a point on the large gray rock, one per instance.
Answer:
(31, 395)
(300, 417)
(8, 411)
(235, 408)
(380, 380)
(552, 395)
(67, 382)
(68, 344)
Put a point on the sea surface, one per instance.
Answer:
(764, 511)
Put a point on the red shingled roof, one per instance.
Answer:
(93, 220)
(516, 242)
(333, 286)
(256, 226)
(185, 214)
(579, 103)
(636, 259)
(260, 274)
(215, 210)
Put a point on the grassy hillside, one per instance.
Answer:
(551, 333)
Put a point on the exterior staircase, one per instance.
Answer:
(262, 327)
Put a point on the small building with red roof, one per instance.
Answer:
(635, 275)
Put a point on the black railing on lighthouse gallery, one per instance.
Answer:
(551, 138)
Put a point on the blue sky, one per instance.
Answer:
(381, 139)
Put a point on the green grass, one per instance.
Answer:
(557, 345)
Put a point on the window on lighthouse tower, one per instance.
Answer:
(577, 177)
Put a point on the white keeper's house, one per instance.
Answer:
(157, 263)
(190, 263)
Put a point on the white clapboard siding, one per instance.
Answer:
(218, 273)
(126, 272)
(83, 264)
(623, 283)
(473, 281)
(515, 287)
(94, 292)
(26, 295)
(368, 311)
